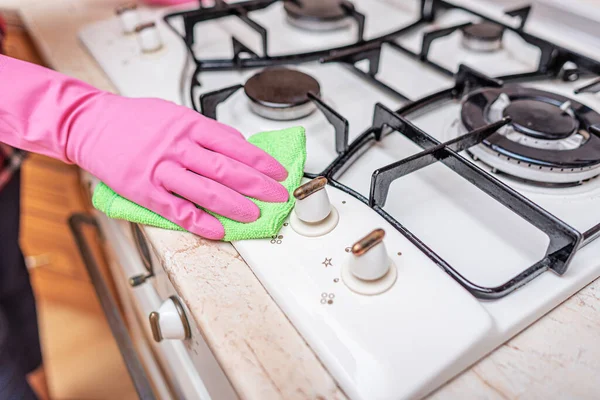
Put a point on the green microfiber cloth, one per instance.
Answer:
(288, 146)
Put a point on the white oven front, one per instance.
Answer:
(177, 361)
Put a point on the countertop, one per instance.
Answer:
(258, 348)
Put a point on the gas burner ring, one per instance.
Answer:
(281, 93)
(483, 37)
(319, 26)
(282, 113)
(536, 174)
(317, 15)
(549, 140)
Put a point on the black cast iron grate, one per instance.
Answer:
(555, 62)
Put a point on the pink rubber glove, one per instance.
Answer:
(144, 149)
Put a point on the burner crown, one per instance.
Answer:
(281, 93)
(318, 15)
(483, 36)
(540, 119)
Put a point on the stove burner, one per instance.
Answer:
(317, 15)
(541, 120)
(550, 140)
(483, 37)
(281, 93)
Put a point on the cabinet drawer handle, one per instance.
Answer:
(137, 280)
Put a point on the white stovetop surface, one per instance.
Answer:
(426, 329)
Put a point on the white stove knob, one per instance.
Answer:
(313, 215)
(370, 260)
(312, 201)
(129, 17)
(148, 37)
(170, 321)
(370, 269)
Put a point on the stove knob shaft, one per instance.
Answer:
(170, 321)
(129, 17)
(313, 215)
(370, 269)
(148, 37)
(569, 72)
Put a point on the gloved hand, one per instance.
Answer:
(146, 150)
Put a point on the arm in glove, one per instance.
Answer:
(155, 153)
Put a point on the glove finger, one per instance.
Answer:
(231, 130)
(236, 175)
(241, 150)
(211, 195)
(191, 218)
(214, 127)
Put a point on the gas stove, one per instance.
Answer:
(453, 154)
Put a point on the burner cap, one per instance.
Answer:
(541, 120)
(484, 36)
(281, 93)
(549, 140)
(317, 15)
